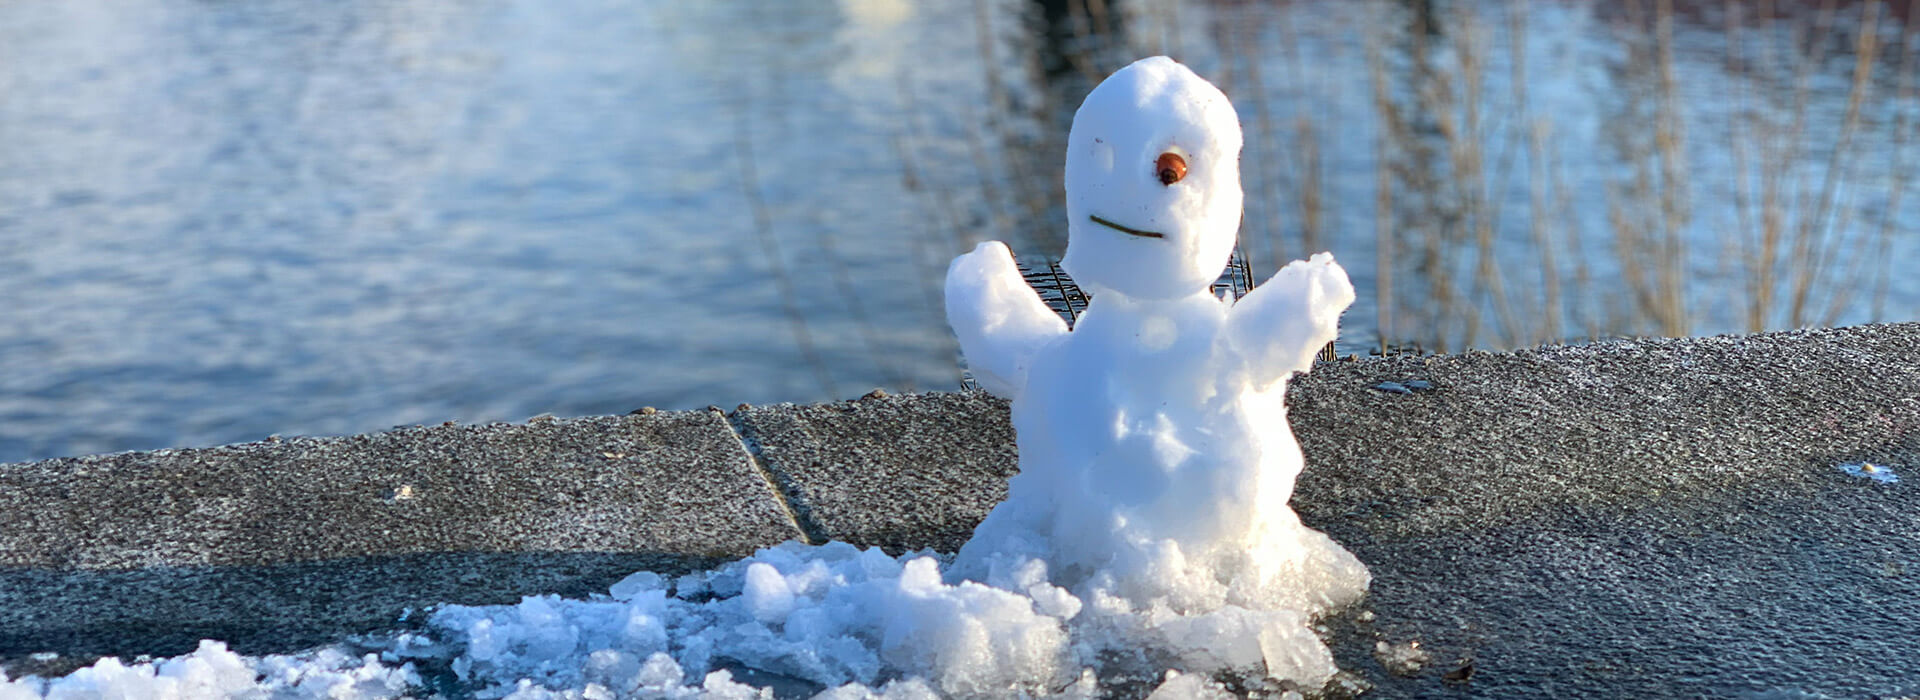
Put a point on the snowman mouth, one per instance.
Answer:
(1124, 229)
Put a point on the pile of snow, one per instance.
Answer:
(213, 671)
(854, 623)
(1146, 542)
(830, 615)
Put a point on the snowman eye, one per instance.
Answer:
(1171, 167)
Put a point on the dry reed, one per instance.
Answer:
(1480, 235)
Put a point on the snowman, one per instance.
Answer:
(1156, 461)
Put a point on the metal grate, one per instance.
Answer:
(1065, 298)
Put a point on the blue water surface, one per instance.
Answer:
(225, 220)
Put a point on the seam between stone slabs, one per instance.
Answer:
(767, 476)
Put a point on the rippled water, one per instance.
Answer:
(220, 221)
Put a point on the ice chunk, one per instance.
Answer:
(1189, 686)
(767, 595)
(214, 671)
(1869, 470)
(1401, 659)
(636, 584)
(720, 685)
(909, 689)
(1291, 651)
(660, 673)
(973, 639)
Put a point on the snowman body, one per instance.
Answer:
(1156, 460)
(1141, 413)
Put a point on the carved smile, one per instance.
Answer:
(1125, 230)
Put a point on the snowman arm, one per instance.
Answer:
(1000, 321)
(1280, 326)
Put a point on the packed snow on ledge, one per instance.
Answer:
(1145, 545)
(857, 622)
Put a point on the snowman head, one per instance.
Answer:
(1153, 183)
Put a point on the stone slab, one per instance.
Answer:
(1799, 594)
(900, 472)
(275, 545)
(1638, 518)
(1619, 424)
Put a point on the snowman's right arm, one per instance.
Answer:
(1000, 321)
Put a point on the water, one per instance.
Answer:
(220, 221)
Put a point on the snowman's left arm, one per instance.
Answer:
(1280, 326)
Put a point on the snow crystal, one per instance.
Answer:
(1868, 470)
(1401, 659)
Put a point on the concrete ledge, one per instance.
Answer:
(276, 545)
(1502, 436)
(1630, 518)
(900, 472)
(1648, 518)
